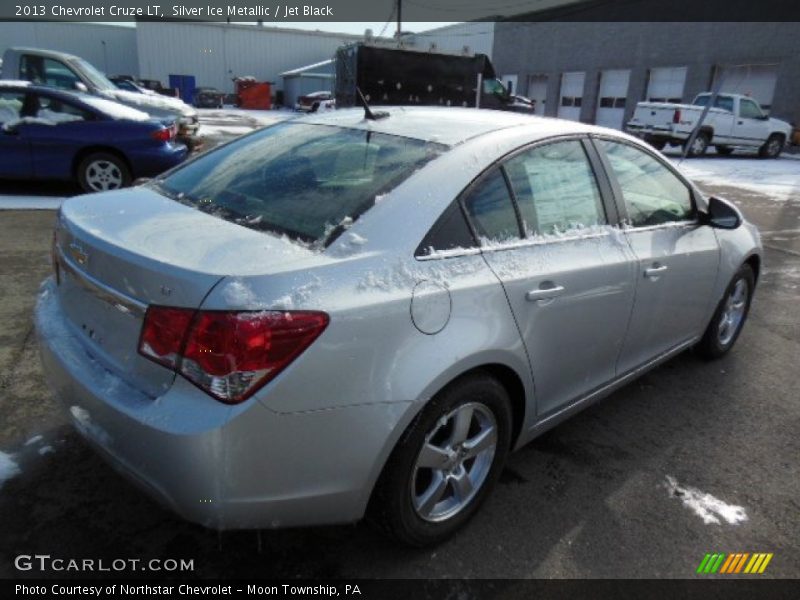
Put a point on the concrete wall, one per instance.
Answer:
(553, 48)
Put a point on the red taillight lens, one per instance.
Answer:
(230, 355)
(162, 135)
(164, 333)
(676, 116)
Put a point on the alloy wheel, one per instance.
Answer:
(733, 313)
(102, 175)
(454, 462)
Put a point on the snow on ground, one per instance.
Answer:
(777, 178)
(13, 202)
(8, 468)
(237, 121)
(706, 506)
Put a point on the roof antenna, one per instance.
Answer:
(368, 114)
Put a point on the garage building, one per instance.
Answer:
(597, 72)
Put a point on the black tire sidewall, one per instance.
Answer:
(119, 162)
(710, 346)
(764, 152)
(399, 516)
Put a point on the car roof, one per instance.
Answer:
(43, 52)
(445, 125)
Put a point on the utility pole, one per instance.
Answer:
(399, 17)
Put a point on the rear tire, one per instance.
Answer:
(657, 144)
(728, 320)
(103, 171)
(699, 146)
(773, 147)
(724, 150)
(445, 464)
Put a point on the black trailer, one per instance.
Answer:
(402, 77)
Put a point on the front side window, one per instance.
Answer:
(491, 211)
(46, 71)
(749, 109)
(11, 106)
(555, 188)
(652, 194)
(308, 182)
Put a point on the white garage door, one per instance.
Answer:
(756, 81)
(611, 97)
(537, 90)
(571, 95)
(665, 84)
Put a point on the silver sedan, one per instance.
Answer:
(342, 316)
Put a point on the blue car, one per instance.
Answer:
(54, 134)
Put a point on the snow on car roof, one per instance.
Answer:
(445, 125)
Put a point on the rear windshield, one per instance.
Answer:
(308, 182)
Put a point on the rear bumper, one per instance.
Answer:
(152, 162)
(221, 466)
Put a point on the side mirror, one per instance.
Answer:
(81, 87)
(721, 214)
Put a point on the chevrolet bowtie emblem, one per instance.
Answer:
(78, 254)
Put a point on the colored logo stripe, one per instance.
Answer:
(738, 562)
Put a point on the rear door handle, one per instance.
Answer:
(547, 293)
(655, 272)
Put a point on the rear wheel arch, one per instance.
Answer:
(89, 150)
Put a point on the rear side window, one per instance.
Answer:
(56, 110)
(308, 182)
(652, 194)
(555, 188)
(490, 209)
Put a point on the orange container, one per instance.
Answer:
(253, 94)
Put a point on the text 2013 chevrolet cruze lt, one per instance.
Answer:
(336, 317)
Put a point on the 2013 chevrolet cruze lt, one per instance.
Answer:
(337, 316)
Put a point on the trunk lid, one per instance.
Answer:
(119, 252)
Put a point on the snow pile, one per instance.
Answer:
(706, 506)
(238, 293)
(8, 468)
(298, 296)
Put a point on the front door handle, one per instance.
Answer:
(655, 271)
(546, 293)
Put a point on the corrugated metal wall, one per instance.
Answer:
(117, 56)
(215, 53)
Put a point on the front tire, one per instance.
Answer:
(445, 464)
(699, 145)
(773, 147)
(728, 320)
(103, 171)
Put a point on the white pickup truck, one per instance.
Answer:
(733, 121)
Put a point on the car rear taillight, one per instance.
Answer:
(676, 116)
(162, 135)
(229, 355)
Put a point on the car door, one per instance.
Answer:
(750, 127)
(15, 155)
(568, 277)
(62, 128)
(677, 257)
